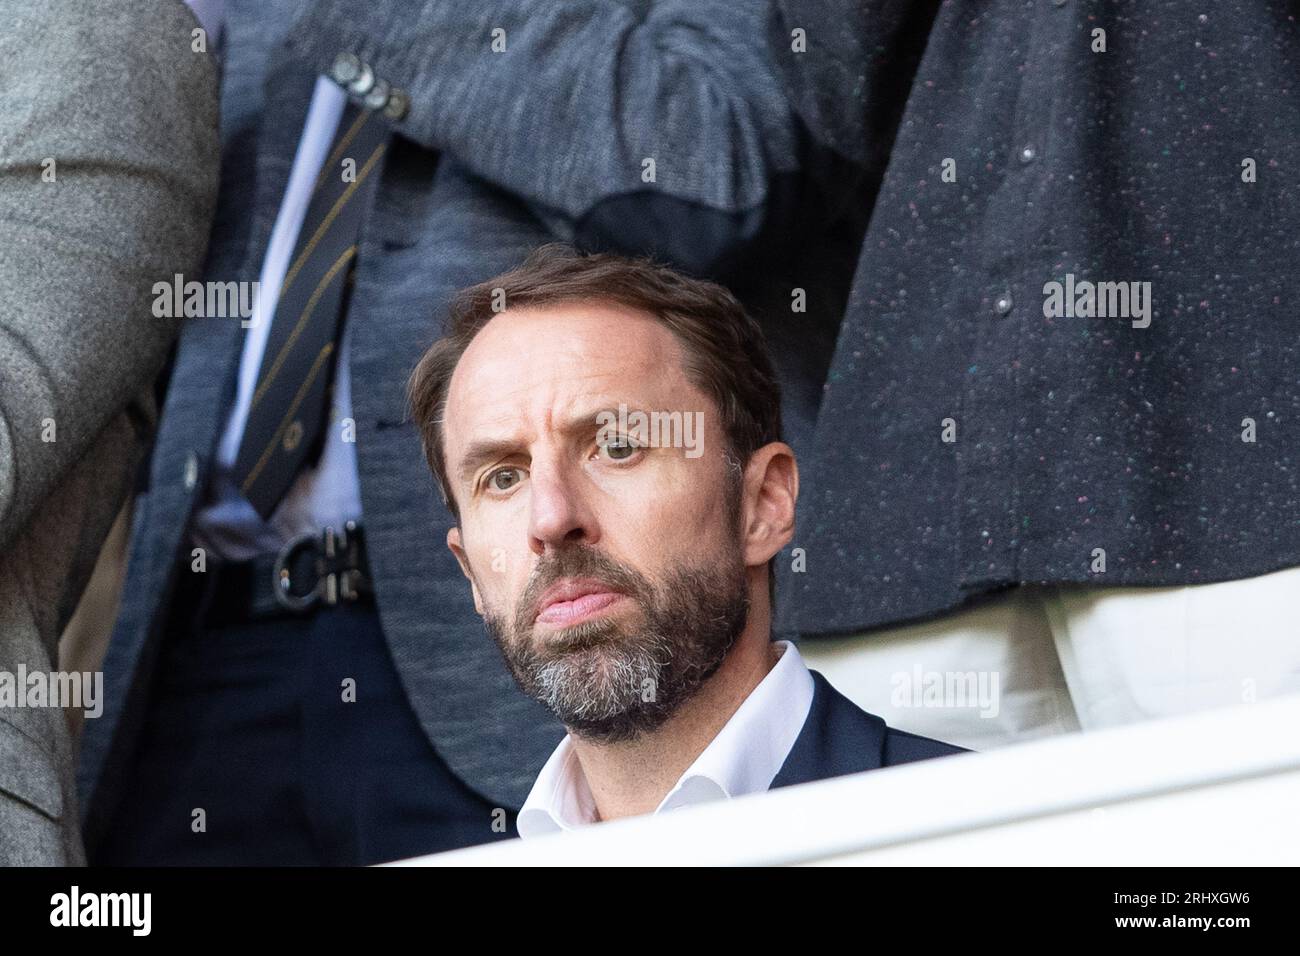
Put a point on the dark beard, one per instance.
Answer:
(607, 681)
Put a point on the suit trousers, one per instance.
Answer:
(287, 741)
(1035, 661)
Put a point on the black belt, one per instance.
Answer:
(310, 572)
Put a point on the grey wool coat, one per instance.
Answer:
(113, 93)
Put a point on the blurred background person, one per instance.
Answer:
(297, 676)
(108, 179)
(1052, 495)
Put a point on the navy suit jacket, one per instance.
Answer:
(839, 738)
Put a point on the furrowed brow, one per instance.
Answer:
(481, 452)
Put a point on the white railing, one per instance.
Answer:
(1215, 788)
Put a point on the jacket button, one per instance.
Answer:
(347, 67)
(377, 98)
(363, 82)
(399, 104)
(1003, 304)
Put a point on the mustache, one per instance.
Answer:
(578, 561)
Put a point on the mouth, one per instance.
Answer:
(573, 601)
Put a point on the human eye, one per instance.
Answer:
(619, 448)
(501, 480)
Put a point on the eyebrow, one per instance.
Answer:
(489, 449)
(481, 452)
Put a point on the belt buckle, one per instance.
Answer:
(338, 575)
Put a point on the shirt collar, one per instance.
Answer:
(743, 758)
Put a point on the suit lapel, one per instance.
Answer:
(207, 362)
(288, 92)
(837, 738)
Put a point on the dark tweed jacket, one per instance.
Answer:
(1074, 436)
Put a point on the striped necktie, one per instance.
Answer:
(288, 415)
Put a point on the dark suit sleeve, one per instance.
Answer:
(821, 51)
(847, 66)
(584, 93)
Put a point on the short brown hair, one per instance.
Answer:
(726, 354)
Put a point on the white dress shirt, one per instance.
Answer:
(328, 494)
(744, 757)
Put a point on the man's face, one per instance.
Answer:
(609, 571)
